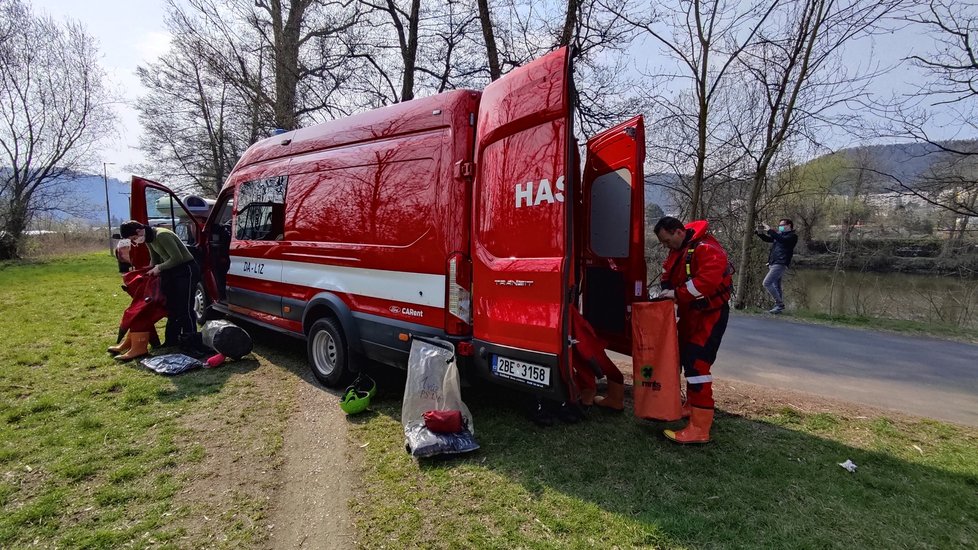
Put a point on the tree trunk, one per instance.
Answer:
(286, 48)
(701, 128)
(570, 22)
(410, 55)
(747, 240)
(489, 36)
(13, 229)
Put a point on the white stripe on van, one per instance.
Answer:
(422, 289)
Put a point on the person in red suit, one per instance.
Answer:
(698, 276)
(139, 319)
(591, 362)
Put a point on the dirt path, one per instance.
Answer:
(311, 508)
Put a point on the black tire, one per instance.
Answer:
(329, 357)
(200, 303)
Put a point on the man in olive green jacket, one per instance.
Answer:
(178, 271)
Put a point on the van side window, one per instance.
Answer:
(261, 209)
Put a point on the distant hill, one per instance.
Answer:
(658, 188)
(91, 189)
(85, 198)
(907, 162)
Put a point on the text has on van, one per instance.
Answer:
(534, 375)
(256, 268)
(529, 195)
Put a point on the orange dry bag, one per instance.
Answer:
(655, 361)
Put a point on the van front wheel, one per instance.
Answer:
(200, 303)
(327, 351)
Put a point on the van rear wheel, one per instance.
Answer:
(328, 354)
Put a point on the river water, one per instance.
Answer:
(938, 299)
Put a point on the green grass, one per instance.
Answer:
(916, 328)
(94, 452)
(769, 481)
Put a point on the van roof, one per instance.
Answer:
(408, 117)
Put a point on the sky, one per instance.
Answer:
(132, 33)
(129, 33)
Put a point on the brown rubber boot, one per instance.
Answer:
(587, 396)
(121, 347)
(698, 429)
(615, 400)
(140, 346)
(686, 409)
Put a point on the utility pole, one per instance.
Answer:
(108, 212)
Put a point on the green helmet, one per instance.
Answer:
(354, 401)
(357, 396)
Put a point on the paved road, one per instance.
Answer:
(921, 376)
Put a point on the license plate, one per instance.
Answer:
(528, 373)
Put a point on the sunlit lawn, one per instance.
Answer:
(770, 480)
(94, 452)
(98, 454)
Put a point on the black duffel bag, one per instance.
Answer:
(226, 338)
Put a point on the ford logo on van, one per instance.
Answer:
(410, 312)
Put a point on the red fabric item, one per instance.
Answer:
(147, 306)
(702, 307)
(590, 359)
(214, 361)
(444, 422)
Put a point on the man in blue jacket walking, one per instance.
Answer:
(783, 243)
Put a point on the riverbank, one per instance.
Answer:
(965, 265)
(944, 331)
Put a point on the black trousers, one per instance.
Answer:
(177, 284)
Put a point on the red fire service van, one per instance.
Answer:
(466, 216)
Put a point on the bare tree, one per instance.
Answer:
(290, 28)
(405, 22)
(289, 54)
(452, 57)
(237, 70)
(950, 68)
(54, 111)
(196, 123)
(436, 49)
(489, 35)
(811, 186)
(705, 38)
(946, 101)
(798, 83)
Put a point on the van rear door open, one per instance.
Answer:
(520, 244)
(154, 204)
(613, 209)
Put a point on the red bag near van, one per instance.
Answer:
(443, 422)
(655, 360)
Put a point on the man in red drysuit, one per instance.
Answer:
(139, 319)
(697, 275)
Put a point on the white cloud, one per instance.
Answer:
(153, 44)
